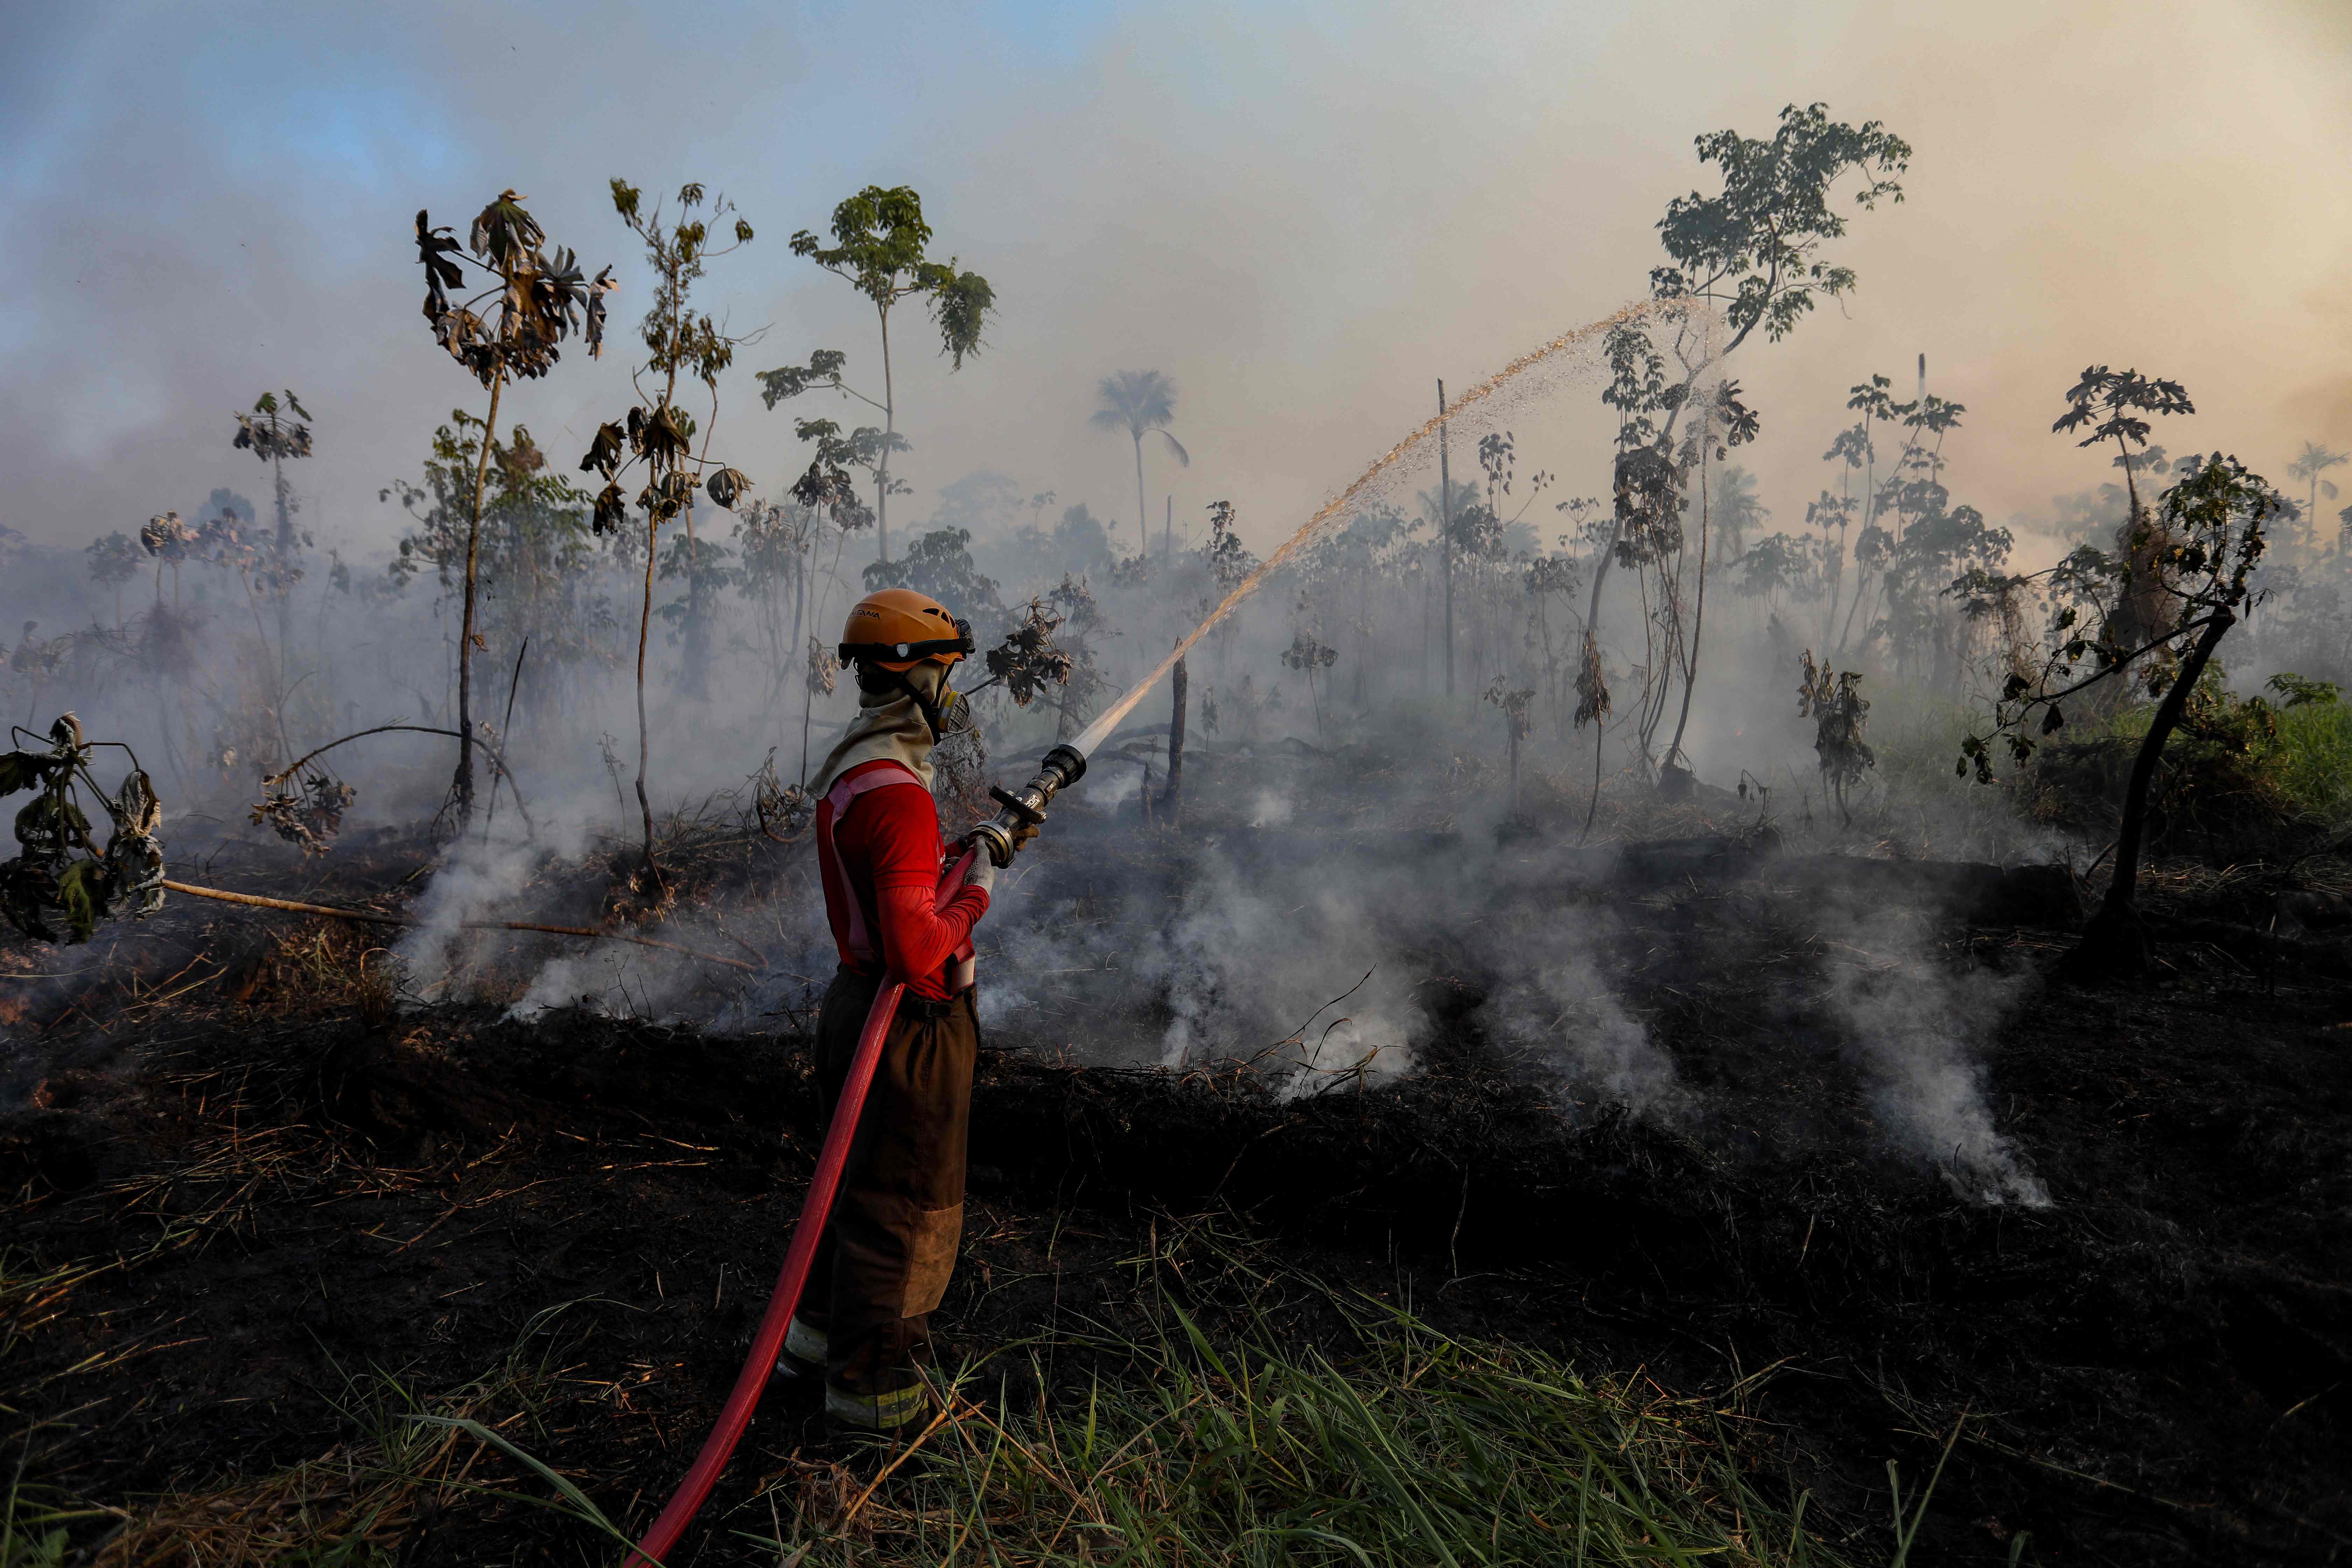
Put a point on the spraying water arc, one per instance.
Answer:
(1062, 767)
(1066, 762)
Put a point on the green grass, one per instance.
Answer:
(1250, 1415)
(2313, 761)
(1399, 1446)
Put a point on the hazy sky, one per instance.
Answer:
(1304, 213)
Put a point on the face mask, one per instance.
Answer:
(954, 715)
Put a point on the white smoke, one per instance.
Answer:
(1559, 1006)
(1919, 1033)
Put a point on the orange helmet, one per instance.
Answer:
(897, 628)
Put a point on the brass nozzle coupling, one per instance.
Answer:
(1063, 766)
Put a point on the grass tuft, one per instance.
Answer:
(1397, 1443)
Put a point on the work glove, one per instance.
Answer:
(1022, 835)
(982, 872)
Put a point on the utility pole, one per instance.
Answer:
(1446, 532)
(1167, 531)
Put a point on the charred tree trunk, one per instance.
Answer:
(1171, 797)
(2115, 942)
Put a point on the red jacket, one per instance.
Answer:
(880, 854)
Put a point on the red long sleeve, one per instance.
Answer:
(916, 942)
(890, 858)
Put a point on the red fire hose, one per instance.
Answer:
(719, 1447)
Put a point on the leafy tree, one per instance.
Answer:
(272, 433)
(706, 569)
(939, 564)
(2309, 463)
(879, 243)
(1549, 577)
(677, 342)
(826, 483)
(1513, 702)
(2113, 405)
(2201, 550)
(1756, 246)
(1352, 571)
(1307, 656)
(1758, 239)
(1070, 605)
(1937, 553)
(1143, 403)
(1738, 509)
(542, 299)
(1916, 544)
(776, 546)
(1229, 563)
(1729, 423)
(114, 561)
(1080, 541)
(1779, 563)
(529, 552)
(1840, 714)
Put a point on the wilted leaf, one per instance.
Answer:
(611, 510)
(822, 666)
(503, 230)
(81, 894)
(166, 536)
(23, 770)
(663, 436)
(727, 485)
(1027, 661)
(604, 284)
(308, 816)
(433, 250)
(606, 451)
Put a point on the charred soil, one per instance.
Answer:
(225, 1207)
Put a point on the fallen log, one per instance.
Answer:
(288, 906)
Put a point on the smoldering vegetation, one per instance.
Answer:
(1601, 910)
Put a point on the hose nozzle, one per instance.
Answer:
(1063, 766)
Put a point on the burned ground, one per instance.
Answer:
(229, 1204)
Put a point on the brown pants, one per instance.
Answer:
(885, 1257)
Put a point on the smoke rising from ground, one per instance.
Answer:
(1404, 169)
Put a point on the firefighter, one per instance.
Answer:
(890, 1243)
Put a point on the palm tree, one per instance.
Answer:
(2309, 463)
(1739, 510)
(1140, 402)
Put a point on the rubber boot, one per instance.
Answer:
(799, 1373)
(880, 1386)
